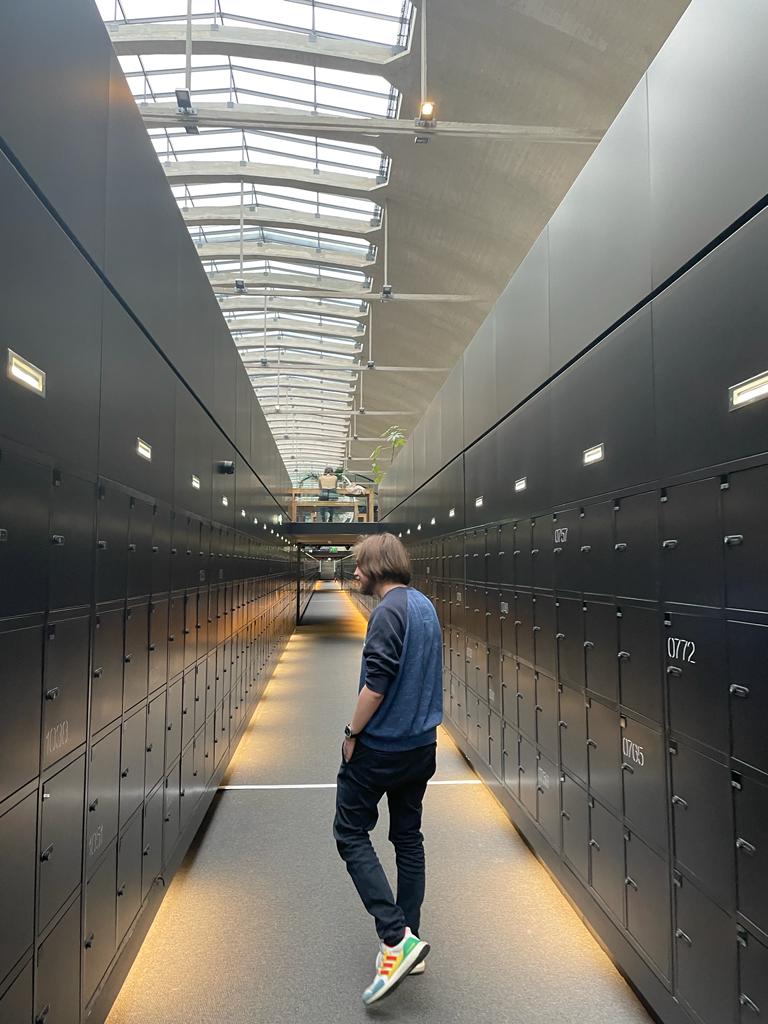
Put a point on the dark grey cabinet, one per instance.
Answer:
(61, 839)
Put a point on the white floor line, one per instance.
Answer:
(332, 785)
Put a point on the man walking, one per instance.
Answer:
(389, 747)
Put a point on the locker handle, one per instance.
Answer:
(128, 659)
(487, 614)
(566, 815)
(52, 694)
(630, 881)
(131, 547)
(680, 934)
(124, 773)
(97, 673)
(559, 636)
(589, 644)
(145, 851)
(516, 553)
(679, 802)
(539, 789)
(539, 707)
(594, 844)
(57, 539)
(518, 622)
(174, 551)
(591, 743)
(121, 890)
(40, 1018)
(621, 546)
(101, 545)
(155, 549)
(628, 768)
(149, 748)
(744, 1000)
(171, 638)
(537, 629)
(557, 551)
(673, 670)
(738, 691)
(186, 632)
(562, 725)
(585, 549)
(152, 647)
(170, 726)
(668, 545)
(745, 847)
(46, 854)
(521, 769)
(624, 656)
(93, 805)
(733, 539)
(88, 943)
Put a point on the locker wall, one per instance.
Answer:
(140, 610)
(605, 619)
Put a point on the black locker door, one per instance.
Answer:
(171, 813)
(570, 642)
(748, 679)
(607, 870)
(509, 709)
(16, 1001)
(510, 761)
(691, 544)
(526, 700)
(100, 922)
(547, 780)
(597, 549)
(188, 706)
(521, 554)
(544, 634)
(547, 715)
(175, 635)
(492, 545)
(152, 841)
(158, 643)
(649, 912)
(25, 490)
(697, 678)
(603, 744)
(746, 549)
(61, 839)
(542, 552)
(132, 756)
(129, 857)
(637, 546)
(706, 957)
(21, 674)
(601, 649)
(575, 815)
(103, 798)
(753, 979)
(566, 541)
(173, 725)
(528, 768)
(136, 673)
(203, 613)
(496, 740)
(71, 548)
(161, 550)
(643, 752)
(58, 971)
(18, 828)
(573, 732)
(506, 560)
(155, 743)
(641, 684)
(107, 672)
(507, 621)
(751, 807)
(190, 627)
(200, 690)
(112, 511)
(702, 813)
(494, 679)
(65, 688)
(524, 624)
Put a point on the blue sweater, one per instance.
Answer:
(403, 660)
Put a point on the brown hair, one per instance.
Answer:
(383, 558)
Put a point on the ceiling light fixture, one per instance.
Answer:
(521, 484)
(749, 391)
(143, 449)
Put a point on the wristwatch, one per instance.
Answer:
(349, 734)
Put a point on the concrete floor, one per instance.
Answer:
(262, 924)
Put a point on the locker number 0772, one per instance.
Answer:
(682, 650)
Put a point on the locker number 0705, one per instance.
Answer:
(682, 650)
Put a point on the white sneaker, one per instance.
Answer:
(418, 969)
(394, 964)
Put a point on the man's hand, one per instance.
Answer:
(348, 749)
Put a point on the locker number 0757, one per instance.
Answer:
(682, 650)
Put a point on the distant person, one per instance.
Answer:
(389, 747)
(328, 484)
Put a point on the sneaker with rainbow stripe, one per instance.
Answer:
(394, 964)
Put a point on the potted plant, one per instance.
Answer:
(393, 439)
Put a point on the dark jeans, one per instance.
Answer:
(361, 783)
